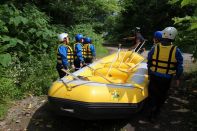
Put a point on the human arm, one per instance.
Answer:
(78, 49)
(129, 38)
(93, 51)
(149, 62)
(179, 67)
(140, 37)
(63, 53)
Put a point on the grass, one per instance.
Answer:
(101, 52)
(3, 109)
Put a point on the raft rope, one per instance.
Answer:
(68, 72)
(101, 75)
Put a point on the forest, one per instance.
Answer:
(29, 29)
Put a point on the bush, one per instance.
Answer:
(24, 32)
(36, 75)
(27, 41)
(3, 109)
(8, 89)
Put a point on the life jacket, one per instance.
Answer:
(69, 54)
(87, 51)
(75, 54)
(164, 60)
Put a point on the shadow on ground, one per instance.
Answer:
(178, 113)
(44, 119)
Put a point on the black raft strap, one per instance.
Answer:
(88, 52)
(160, 61)
(157, 57)
(169, 59)
(163, 67)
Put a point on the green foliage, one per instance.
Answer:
(183, 2)
(71, 12)
(5, 59)
(3, 109)
(24, 30)
(39, 77)
(188, 28)
(34, 76)
(27, 43)
(8, 89)
(151, 16)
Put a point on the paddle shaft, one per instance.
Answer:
(122, 59)
(115, 58)
(136, 52)
(136, 64)
(132, 52)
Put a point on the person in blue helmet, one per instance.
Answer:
(165, 62)
(78, 49)
(157, 37)
(89, 52)
(64, 55)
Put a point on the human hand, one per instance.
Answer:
(72, 66)
(94, 58)
(81, 64)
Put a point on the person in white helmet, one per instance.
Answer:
(164, 62)
(64, 55)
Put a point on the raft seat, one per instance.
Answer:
(118, 65)
(101, 79)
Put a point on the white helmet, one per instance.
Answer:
(62, 36)
(169, 33)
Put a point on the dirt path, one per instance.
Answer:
(33, 114)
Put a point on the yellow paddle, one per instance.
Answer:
(115, 58)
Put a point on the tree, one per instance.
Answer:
(150, 15)
(187, 27)
(24, 32)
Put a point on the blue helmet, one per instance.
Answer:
(78, 37)
(87, 40)
(158, 35)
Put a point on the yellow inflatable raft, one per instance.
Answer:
(113, 87)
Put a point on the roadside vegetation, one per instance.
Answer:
(28, 35)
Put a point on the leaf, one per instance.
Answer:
(45, 45)
(32, 30)
(5, 38)
(173, 1)
(193, 26)
(5, 59)
(18, 20)
(12, 42)
(187, 2)
(184, 2)
(3, 27)
(20, 42)
(5, 47)
(24, 20)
